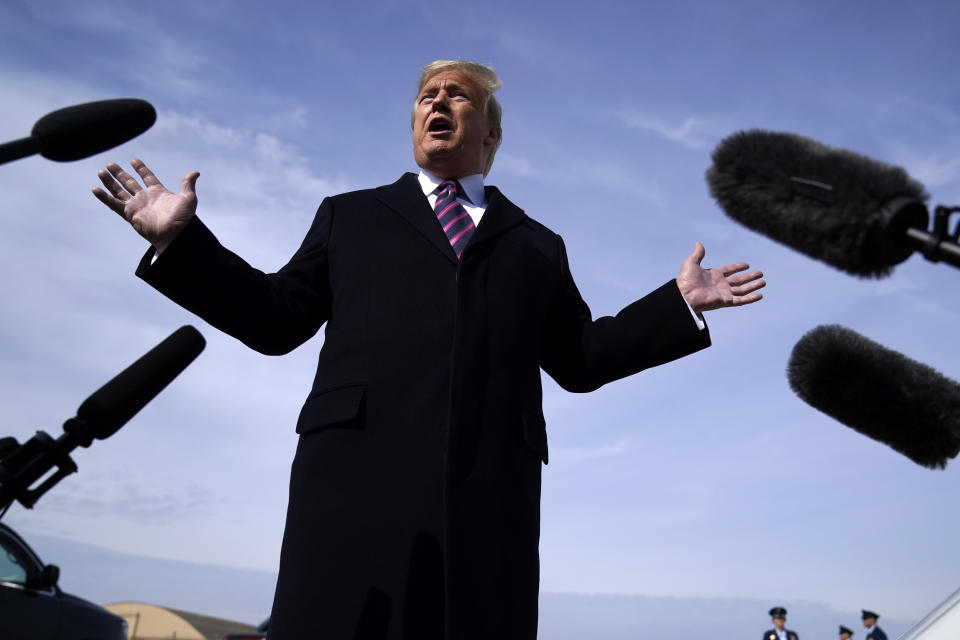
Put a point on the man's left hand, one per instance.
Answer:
(727, 286)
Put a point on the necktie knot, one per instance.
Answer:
(450, 187)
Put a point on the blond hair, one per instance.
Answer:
(485, 79)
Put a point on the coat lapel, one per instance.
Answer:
(406, 198)
(500, 215)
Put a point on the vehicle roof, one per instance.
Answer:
(4, 529)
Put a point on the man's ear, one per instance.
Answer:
(493, 137)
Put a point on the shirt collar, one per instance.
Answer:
(472, 186)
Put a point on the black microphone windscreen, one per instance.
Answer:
(879, 392)
(113, 404)
(86, 129)
(831, 204)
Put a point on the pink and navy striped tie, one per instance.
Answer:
(454, 219)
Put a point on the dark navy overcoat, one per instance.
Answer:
(414, 507)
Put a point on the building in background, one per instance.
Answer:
(151, 622)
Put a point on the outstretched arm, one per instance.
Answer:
(726, 286)
(582, 353)
(155, 212)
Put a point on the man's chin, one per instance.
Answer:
(442, 162)
(440, 149)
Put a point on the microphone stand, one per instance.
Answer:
(100, 416)
(17, 149)
(941, 244)
(905, 218)
(22, 465)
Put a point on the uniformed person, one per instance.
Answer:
(870, 622)
(845, 633)
(779, 617)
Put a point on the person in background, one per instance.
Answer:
(779, 632)
(870, 622)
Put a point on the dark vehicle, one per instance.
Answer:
(32, 606)
(259, 634)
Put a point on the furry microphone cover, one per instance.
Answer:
(879, 392)
(826, 203)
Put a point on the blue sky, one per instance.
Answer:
(703, 478)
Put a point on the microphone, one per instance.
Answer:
(845, 209)
(879, 392)
(112, 405)
(83, 130)
(98, 417)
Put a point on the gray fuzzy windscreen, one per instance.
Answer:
(821, 201)
(879, 392)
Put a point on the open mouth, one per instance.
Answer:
(440, 125)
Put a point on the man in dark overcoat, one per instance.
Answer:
(414, 507)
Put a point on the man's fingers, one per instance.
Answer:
(744, 278)
(730, 269)
(697, 255)
(149, 179)
(188, 186)
(127, 181)
(748, 288)
(109, 182)
(116, 196)
(108, 200)
(113, 186)
(739, 302)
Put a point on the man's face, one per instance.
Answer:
(778, 623)
(844, 636)
(451, 137)
(869, 622)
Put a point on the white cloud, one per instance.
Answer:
(28, 97)
(142, 500)
(153, 54)
(693, 132)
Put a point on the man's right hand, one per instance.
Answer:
(155, 212)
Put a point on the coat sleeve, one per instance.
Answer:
(582, 354)
(272, 313)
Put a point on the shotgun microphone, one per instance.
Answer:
(100, 416)
(879, 392)
(83, 130)
(112, 405)
(840, 207)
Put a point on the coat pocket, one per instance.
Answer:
(341, 407)
(535, 432)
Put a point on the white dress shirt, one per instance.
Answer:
(476, 201)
